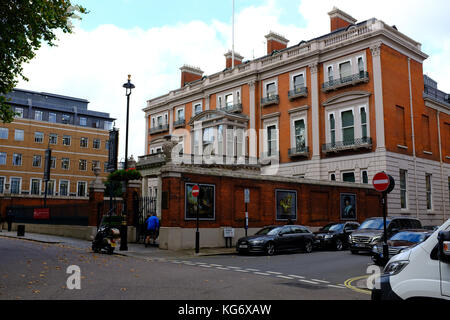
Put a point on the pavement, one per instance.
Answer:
(135, 250)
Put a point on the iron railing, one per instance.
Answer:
(299, 152)
(354, 79)
(269, 100)
(436, 94)
(179, 123)
(347, 145)
(158, 129)
(298, 92)
(232, 108)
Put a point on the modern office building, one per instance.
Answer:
(77, 137)
(340, 107)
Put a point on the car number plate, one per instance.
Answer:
(360, 245)
(243, 246)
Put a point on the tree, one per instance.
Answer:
(24, 25)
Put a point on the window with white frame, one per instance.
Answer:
(96, 144)
(332, 176)
(16, 185)
(271, 89)
(37, 160)
(363, 122)
(238, 97)
(65, 163)
(361, 66)
(82, 165)
(39, 137)
(2, 158)
(428, 189)
(19, 112)
(95, 164)
(220, 140)
(67, 140)
(272, 140)
(52, 117)
(38, 115)
(240, 143)
(83, 121)
(229, 100)
(299, 81)
(345, 70)
(53, 162)
(35, 186)
(17, 159)
(364, 177)
(229, 135)
(53, 138)
(50, 187)
(332, 129)
(18, 135)
(197, 108)
(159, 119)
(348, 177)
(219, 103)
(300, 136)
(180, 114)
(81, 189)
(65, 118)
(330, 74)
(4, 133)
(403, 189)
(83, 142)
(63, 187)
(348, 127)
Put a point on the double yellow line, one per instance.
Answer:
(348, 284)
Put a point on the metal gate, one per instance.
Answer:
(142, 208)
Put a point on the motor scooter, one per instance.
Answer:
(105, 239)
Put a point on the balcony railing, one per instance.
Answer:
(232, 108)
(270, 100)
(179, 123)
(436, 94)
(299, 152)
(298, 93)
(158, 129)
(352, 80)
(347, 145)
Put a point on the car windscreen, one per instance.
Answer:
(333, 227)
(268, 231)
(409, 236)
(376, 224)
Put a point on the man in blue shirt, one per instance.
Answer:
(152, 229)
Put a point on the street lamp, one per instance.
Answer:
(124, 234)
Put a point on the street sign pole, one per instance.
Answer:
(246, 200)
(385, 244)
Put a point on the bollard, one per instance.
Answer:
(20, 230)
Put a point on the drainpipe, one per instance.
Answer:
(413, 135)
(442, 164)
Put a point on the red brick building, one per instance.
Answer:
(340, 107)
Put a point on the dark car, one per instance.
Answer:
(372, 229)
(273, 239)
(334, 235)
(398, 242)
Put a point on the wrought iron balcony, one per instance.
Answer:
(298, 152)
(232, 108)
(270, 100)
(179, 123)
(436, 94)
(298, 93)
(158, 129)
(354, 144)
(351, 80)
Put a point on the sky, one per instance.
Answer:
(152, 39)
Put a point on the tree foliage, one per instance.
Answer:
(24, 26)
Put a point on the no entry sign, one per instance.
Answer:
(195, 191)
(381, 182)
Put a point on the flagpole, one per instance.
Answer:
(232, 40)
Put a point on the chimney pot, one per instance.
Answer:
(229, 58)
(190, 74)
(339, 19)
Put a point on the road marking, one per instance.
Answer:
(251, 269)
(307, 281)
(295, 276)
(262, 273)
(284, 277)
(338, 286)
(204, 266)
(233, 267)
(216, 265)
(222, 268)
(240, 270)
(272, 272)
(200, 263)
(348, 284)
(321, 281)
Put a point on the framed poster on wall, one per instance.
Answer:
(286, 204)
(206, 202)
(348, 206)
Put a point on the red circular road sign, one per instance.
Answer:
(195, 191)
(381, 182)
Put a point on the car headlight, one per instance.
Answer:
(350, 238)
(395, 267)
(328, 236)
(375, 249)
(256, 241)
(375, 239)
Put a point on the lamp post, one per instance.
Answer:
(124, 232)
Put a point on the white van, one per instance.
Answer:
(422, 272)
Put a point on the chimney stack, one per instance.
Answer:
(339, 19)
(275, 42)
(190, 74)
(229, 59)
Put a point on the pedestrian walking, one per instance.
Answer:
(9, 219)
(152, 229)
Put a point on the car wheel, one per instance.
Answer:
(270, 249)
(354, 251)
(338, 245)
(308, 246)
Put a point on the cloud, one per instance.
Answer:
(94, 64)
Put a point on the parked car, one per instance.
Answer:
(274, 239)
(398, 242)
(372, 229)
(422, 272)
(431, 228)
(334, 235)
